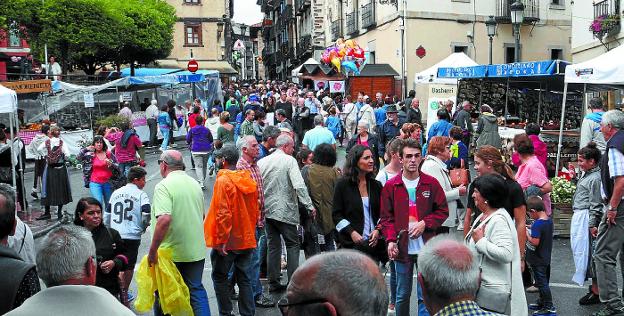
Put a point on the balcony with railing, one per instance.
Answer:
(336, 29)
(301, 6)
(503, 11)
(352, 25)
(304, 46)
(368, 15)
(606, 18)
(285, 16)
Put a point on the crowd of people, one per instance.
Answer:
(473, 246)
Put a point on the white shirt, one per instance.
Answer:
(368, 221)
(383, 176)
(413, 245)
(124, 214)
(54, 141)
(151, 112)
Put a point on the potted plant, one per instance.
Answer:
(605, 24)
(562, 193)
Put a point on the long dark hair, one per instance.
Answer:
(100, 138)
(81, 207)
(351, 169)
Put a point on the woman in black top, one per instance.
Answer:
(109, 248)
(488, 160)
(356, 205)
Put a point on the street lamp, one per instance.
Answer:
(490, 26)
(517, 17)
(243, 29)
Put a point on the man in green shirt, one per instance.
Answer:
(246, 128)
(177, 216)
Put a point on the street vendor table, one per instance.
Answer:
(73, 139)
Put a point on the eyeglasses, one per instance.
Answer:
(283, 304)
(161, 161)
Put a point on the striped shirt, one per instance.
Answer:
(463, 308)
(242, 164)
(616, 167)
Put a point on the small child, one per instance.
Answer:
(539, 249)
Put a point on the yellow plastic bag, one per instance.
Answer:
(165, 278)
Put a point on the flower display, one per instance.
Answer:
(562, 191)
(604, 24)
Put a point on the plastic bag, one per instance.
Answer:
(165, 278)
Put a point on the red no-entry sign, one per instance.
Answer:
(192, 66)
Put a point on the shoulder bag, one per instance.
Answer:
(459, 175)
(495, 298)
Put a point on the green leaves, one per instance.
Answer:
(562, 191)
(89, 33)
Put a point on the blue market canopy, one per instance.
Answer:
(514, 70)
(142, 72)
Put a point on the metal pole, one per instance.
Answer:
(539, 104)
(506, 101)
(491, 40)
(403, 50)
(559, 145)
(517, 48)
(253, 65)
(12, 153)
(45, 52)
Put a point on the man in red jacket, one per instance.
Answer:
(413, 207)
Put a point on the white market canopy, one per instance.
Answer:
(8, 100)
(606, 69)
(430, 75)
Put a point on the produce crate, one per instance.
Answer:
(562, 218)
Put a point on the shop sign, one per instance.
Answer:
(29, 86)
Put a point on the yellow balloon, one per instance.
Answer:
(350, 43)
(336, 62)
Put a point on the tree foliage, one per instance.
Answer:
(86, 34)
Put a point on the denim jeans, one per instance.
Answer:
(404, 281)
(165, 135)
(152, 124)
(125, 167)
(541, 282)
(101, 192)
(258, 254)
(241, 260)
(393, 282)
(192, 275)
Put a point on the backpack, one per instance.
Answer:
(55, 155)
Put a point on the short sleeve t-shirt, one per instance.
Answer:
(383, 176)
(413, 245)
(515, 198)
(540, 254)
(181, 197)
(129, 153)
(533, 173)
(125, 211)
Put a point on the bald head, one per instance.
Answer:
(348, 280)
(170, 160)
(449, 271)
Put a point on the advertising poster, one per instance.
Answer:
(438, 94)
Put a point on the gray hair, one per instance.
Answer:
(364, 123)
(244, 142)
(595, 103)
(154, 102)
(63, 254)
(229, 153)
(346, 271)
(271, 132)
(280, 112)
(318, 120)
(614, 118)
(172, 160)
(445, 279)
(283, 140)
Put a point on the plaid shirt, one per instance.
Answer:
(242, 164)
(463, 308)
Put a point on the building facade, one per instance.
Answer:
(280, 38)
(244, 59)
(596, 29)
(203, 30)
(434, 31)
(12, 50)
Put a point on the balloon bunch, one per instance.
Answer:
(344, 55)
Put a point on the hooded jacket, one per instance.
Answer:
(488, 131)
(590, 131)
(233, 211)
(200, 139)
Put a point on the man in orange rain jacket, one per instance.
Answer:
(230, 230)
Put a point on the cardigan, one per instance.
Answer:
(436, 168)
(347, 208)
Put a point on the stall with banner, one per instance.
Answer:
(525, 92)
(434, 90)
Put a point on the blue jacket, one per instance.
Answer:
(439, 128)
(164, 120)
(200, 139)
(334, 124)
(388, 131)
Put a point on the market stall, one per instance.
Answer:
(433, 89)
(8, 105)
(604, 72)
(521, 93)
